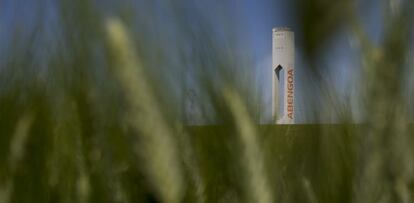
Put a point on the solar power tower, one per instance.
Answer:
(283, 71)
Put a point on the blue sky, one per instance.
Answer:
(254, 18)
(339, 58)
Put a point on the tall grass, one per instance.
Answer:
(98, 113)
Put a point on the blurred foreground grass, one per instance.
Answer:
(88, 118)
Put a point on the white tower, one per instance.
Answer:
(283, 105)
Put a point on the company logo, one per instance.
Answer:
(290, 93)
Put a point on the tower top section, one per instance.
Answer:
(281, 29)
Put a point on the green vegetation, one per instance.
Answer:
(84, 117)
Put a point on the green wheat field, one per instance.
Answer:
(91, 109)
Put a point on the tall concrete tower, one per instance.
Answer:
(283, 71)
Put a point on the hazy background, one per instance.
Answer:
(243, 26)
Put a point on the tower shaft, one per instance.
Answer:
(283, 71)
